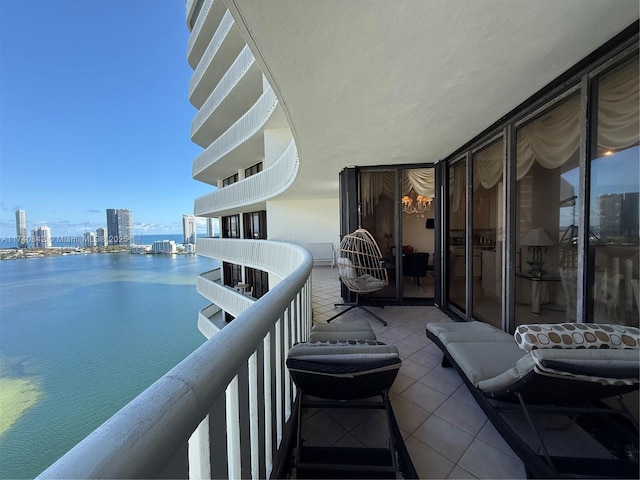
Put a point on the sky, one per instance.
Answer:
(94, 114)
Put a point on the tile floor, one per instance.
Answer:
(445, 431)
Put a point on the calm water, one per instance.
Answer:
(80, 336)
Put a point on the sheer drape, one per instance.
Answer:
(554, 138)
(422, 180)
(373, 185)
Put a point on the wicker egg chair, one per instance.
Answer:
(361, 269)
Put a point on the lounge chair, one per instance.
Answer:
(340, 371)
(561, 369)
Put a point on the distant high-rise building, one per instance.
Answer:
(189, 228)
(41, 237)
(164, 246)
(617, 215)
(119, 226)
(90, 239)
(212, 227)
(21, 228)
(101, 237)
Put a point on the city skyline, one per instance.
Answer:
(194, 226)
(85, 126)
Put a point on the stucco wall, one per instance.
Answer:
(304, 221)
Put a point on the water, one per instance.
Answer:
(82, 335)
(9, 241)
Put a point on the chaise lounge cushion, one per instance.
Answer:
(481, 361)
(344, 370)
(452, 332)
(576, 336)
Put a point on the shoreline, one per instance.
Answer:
(20, 253)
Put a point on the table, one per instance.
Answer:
(536, 285)
(241, 287)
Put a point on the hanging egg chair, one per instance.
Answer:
(361, 268)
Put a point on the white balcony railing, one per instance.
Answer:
(244, 128)
(230, 79)
(217, 39)
(234, 391)
(254, 189)
(197, 28)
(225, 297)
(210, 320)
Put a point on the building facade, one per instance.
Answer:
(101, 237)
(41, 237)
(119, 226)
(486, 180)
(189, 232)
(164, 246)
(90, 239)
(21, 229)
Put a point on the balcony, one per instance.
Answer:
(223, 49)
(208, 19)
(252, 190)
(234, 95)
(223, 296)
(242, 144)
(446, 432)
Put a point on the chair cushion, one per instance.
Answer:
(340, 351)
(576, 335)
(357, 329)
(607, 366)
(484, 360)
(451, 332)
(346, 268)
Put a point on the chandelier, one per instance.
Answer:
(414, 203)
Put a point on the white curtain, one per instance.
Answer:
(422, 180)
(554, 138)
(618, 109)
(373, 185)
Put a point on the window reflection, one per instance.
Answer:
(457, 235)
(547, 215)
(487, 233)
(614, 200)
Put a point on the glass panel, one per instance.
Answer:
(615, 187)
(418, 234)
(456, 239)
(487, 233)
(547, 215)
(377, 209)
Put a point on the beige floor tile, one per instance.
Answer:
(444, 437)
(484, 461)
(462, 416)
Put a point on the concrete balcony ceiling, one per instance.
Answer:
(213, 65)
(370, 83)
(208, 20)
(223, 108)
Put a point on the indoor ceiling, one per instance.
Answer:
(371, 82)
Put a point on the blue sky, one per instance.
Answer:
(94, 114)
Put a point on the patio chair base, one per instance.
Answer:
(351, 307)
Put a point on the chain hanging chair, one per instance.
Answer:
(361, 269)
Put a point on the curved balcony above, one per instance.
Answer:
(222, 50)
(225, 297)
(207, 19)
(252, 190)
(242, 144)
(277, 258)
(211, 320)
(234, 95)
